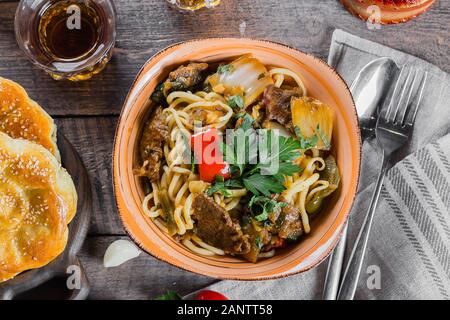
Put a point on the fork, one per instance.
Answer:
(393, 130)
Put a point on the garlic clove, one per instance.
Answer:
(119, 252)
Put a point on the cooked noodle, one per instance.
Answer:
(181, 115)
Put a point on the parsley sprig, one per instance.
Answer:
(255, 177)
(236, 102)
(261, 207)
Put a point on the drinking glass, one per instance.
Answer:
(28, 23)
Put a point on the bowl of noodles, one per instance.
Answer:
(237, 158)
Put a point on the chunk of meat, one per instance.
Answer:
(151, 145)
(185, 78)
(291, 226)
(278, 104)
(215, 227)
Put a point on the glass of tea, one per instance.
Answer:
(69, 39)
(194, 4)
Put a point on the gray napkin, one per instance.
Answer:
(409, 246)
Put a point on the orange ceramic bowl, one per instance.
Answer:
(322, 82)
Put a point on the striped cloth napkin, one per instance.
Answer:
(409, 246)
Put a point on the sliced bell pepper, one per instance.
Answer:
(208, 155)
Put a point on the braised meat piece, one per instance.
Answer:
(215, 227)
(278, 104)
(185, 78)
(290, 222)
(151, 145)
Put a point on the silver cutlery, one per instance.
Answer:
(369, 90)
(393, 129)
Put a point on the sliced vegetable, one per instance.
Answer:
(246, 76)
(198, 186)
(314, 121)
(330, 174)
(208, 155)
(168, 210)
(236, 101)
(273, 125)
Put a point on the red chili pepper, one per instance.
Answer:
(209, 157)
(210, 295)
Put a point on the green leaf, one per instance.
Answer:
(306, 143)
(323, 137)
(262, 207)
(219, 187)
(236, 101)
(234, 183)
(266, 185)
(224, 68)
(248, 121)
(170, 295)
(288, 169)
(288, 149)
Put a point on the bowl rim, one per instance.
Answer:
(184, 267)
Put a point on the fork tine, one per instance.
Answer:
(419, 98)
(408, 99)
(394, 93)
(391, 117)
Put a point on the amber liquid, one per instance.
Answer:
(194, 4)
(66, 34)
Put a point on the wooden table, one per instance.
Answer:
(87, 111)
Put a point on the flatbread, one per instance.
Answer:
(21, 117)
(37, 201)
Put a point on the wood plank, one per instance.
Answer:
(93, 139)
(142, 278)
(146, 26)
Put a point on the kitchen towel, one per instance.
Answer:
(409, 245)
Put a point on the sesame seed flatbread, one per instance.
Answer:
(21, 117)
(37, 201)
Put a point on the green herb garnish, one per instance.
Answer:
(219, 187)
(247, 122)
(262, 207)
(224, 68)
(255, 176)
(236, 101)
(170, 295)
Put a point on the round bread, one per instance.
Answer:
(391, 11)
(37, 201)
(21, 117)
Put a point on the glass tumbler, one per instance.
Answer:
(69, 39)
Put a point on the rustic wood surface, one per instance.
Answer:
(87, 111)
